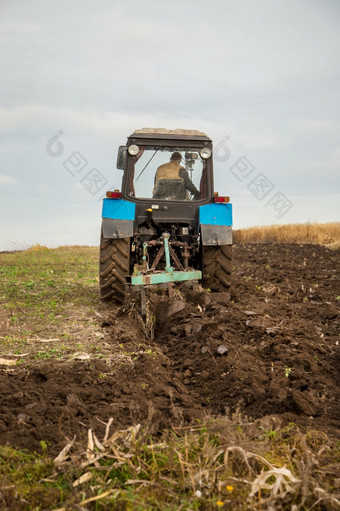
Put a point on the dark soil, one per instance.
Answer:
(271, 349)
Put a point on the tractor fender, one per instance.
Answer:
(113, 228)
(216, 224)
(216, 235)
(118, 218)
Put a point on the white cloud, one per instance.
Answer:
(316, 126)
(44, 188)
(8, 180)
(104, 123)
(335, 159)
(336, 154)
(118, 125)
(17, 27)
(264, 140)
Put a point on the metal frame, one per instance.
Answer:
(142, 278)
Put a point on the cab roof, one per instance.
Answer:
(163, 133)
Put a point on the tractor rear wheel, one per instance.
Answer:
(114, 266)
(216, 267)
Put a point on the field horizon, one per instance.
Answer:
(327, 233)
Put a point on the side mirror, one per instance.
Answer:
(121, 157)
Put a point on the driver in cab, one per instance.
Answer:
(172, 181)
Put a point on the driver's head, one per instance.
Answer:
(176, 156)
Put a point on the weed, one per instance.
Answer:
(43, 446)
(53, 352)
(269, 434)
(151, 352)
(287, 371)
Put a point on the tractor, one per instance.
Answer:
(166, 225)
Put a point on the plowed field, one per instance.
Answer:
(270, 349)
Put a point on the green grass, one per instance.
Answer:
(49, 294)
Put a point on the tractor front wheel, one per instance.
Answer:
(216, 267)
(114, 266)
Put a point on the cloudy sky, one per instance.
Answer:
(261, 78)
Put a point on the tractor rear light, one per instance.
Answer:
(114, 195)
(217, 198)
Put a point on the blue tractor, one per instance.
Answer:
(166, 225)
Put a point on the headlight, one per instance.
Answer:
(206, 153)
(133, 150)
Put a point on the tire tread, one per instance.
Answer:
(114, 264)
(216, 267)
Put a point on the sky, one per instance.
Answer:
(262, 79)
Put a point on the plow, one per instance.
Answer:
(145, 276)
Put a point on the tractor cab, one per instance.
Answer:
(151, 170)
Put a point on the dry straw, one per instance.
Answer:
(322, 234)
(199, 466)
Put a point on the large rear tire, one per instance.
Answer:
(114, 266)
(216, 267)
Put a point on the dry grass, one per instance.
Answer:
(321, 234)
(221, 464)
